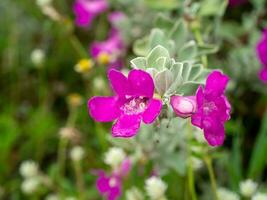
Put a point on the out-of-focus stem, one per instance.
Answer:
(190, 172)
(79, 178)
(208, 162)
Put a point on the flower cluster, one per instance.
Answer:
(262, 55)
(134, 102)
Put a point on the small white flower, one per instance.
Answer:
(114, 157)
(77, 153)
(37, 57)
(52, 197)
(42, 3)
(248, 187)
(259, 196)
(28, 169)
(134, 194)
(30, 185)
(225, 194)
(155, 188)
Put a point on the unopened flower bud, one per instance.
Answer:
(42, 3)
(69, 133)
(183, 106)
(134, 194)
(224, 194)
(52, 197)
(74, 99)
(114, 157)
(30, 185)
(259, 196)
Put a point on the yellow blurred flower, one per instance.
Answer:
(84, 66)
(74, 99)
(103, 58)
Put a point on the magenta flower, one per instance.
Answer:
(213, 108)
(184, 106)
(133, 102)
(109, 52)
(262, 55)
(86, 10)
(109, 186)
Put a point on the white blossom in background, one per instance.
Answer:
(155, 188)
(134, 194)
(77, 153)
(259, 196)
(114, 157)
(225, 194)
(29, 169)
(42, 3)
(30, 185)
(248, 187)
(52, 197)
(37, 57)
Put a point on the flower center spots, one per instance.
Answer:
(209, 107)
(135, 106)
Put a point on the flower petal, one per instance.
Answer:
(141, 83)
(126, 126)
(104, 109)
(196, 119)
(213, 131)
(152, 111)
(102, 183)
(216, 83)
(263, 74)
(118, 82)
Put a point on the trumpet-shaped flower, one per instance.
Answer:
(262, 55)
(213, 108)
(86, 10)
(133, 102)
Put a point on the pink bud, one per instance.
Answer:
(184, 106)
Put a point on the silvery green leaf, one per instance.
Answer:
(188, 88)
(176, 162)
(201, 78)
(152, 71)
(138, 63)
(163, 22)
(158, 37)
(179, 33)
(195, 71)
(212, 7)
(163, 81)
(188, 51)
(206, 49)
(157, 52)
(186, 70)
(178, 80)
(140, 47)
(161, 63)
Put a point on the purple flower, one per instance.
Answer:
(213, 108)
(262, 55)
(263, 74)
(234, 3)
(86, 10)
(133, 102)
(184, 106)
(109, 186)
(116, 17)
(109, 51)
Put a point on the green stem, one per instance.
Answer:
(78, 46)
(79, 178)
(190, 172)
(208, 162)
(200, 41)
